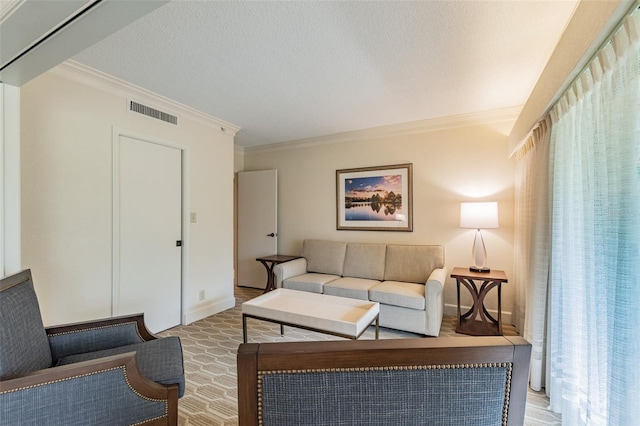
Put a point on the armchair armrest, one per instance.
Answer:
(108, 390)
(91, 336)
(434, 299)
(290, 269)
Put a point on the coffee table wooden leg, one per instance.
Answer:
(377, 326)
(281, 330)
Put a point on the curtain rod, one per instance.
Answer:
(635, 7)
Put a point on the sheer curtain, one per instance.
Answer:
(532, 240)
(594, 287)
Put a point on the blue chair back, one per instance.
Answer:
(24, 345)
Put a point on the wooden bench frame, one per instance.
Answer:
(255, 359)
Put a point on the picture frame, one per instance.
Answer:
(375, 198)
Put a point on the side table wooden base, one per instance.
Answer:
(477, 321)
(269, 262)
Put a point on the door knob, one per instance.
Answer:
(271, 235)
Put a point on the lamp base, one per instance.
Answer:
(475, 269)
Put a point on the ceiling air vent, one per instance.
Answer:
(152, 112)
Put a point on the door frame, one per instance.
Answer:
(115, 202)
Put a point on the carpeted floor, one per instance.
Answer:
(210, 347)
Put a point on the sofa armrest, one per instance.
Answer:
(110, 389)
(437, 278)
(434, 299)
(285, 270)
(91, 336)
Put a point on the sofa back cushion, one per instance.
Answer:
(412, 263)
(25, 346)
(365, 261)
(324, 257)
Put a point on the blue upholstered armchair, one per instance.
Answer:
(108, 372)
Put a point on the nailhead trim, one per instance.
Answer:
(61, 380)
(99, 328)
(166, 402)
(126, 378)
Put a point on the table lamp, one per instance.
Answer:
(479, 216)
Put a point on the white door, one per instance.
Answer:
(257, 224)
(147, 257)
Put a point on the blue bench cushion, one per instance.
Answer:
(445, 395)
(159, 360)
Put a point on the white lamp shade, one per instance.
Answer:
(479, 215)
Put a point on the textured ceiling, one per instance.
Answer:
(285, 71)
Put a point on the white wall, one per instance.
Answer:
(451, 165)
(66, 142)
(9, 179)
(238, 159)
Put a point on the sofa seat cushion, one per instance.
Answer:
(159, 360)
(313, 283)
(353, 288)
(395, 293)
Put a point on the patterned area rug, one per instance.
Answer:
(210, 347)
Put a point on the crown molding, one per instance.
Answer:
(414, 127)
(422, 126)
(238, 149)
(7, 7)
(100, 80)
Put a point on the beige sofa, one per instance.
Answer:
(407, 280)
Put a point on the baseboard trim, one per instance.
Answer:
(450, 309)
(211, 308)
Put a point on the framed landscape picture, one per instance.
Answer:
(375, 198)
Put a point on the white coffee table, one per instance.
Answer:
(338, 316)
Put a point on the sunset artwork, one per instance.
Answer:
(375, 198)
